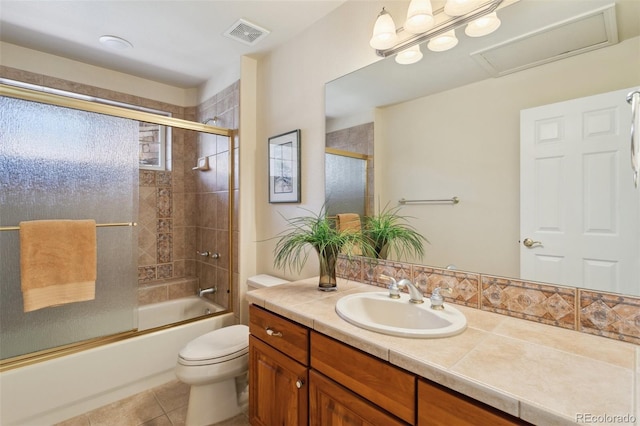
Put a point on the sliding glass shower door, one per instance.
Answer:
(62, 163)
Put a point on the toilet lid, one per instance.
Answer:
(218, 346)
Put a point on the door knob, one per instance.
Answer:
(528, 242)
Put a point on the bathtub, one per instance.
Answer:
(58, 389)
(172, 311)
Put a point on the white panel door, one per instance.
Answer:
(578, 204)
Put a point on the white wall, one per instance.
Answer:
(291, 96)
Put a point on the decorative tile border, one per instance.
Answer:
(604, 314)
(547, 304)
(463, 285)
(609, 315)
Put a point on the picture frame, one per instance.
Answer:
(284, 167)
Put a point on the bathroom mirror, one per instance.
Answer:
(446, 127)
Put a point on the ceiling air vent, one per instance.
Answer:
(246, 32)
(579, 34)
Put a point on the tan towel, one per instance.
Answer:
(349, 222)
(57, 262)
(345, 221)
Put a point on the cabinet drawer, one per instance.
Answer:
(438, 406)
(332, 405)
(288, 337)
(385, 385)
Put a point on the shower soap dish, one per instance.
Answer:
(203, 164)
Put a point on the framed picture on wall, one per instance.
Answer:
(284, 168)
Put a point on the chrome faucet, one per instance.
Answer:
(210, 290)
(415, 293)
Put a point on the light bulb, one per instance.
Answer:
(444, 42)
(483, 26)
(410, 55)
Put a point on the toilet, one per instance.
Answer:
(215, 365)
(212, 364)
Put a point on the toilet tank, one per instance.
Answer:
(264, 280)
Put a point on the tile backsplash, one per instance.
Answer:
(604, 314)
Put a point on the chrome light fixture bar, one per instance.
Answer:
(444, 27)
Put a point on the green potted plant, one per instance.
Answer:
(319, 232)
(390, 233)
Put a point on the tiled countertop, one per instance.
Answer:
(543, 374)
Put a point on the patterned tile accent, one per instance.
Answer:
(373, 269)
(163, 179)
(349, 268)
(547, 304)
(610, 315)
(147, 178)
(146, 273)
(464, 286)
(164, 204)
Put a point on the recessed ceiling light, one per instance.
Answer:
(114, 42)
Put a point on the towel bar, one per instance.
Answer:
(454, 200)
(98, 225)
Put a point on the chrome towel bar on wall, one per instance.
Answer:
(453, 200)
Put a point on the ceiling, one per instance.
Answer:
(176, 42)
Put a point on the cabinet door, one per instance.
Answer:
(438, 406)
(385, 385)
(277, 387)
(332, 405)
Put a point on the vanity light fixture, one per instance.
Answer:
(439, 29)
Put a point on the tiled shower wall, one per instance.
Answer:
(185, 212)
(175, 205)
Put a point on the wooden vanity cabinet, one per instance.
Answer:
(299, 377)
(439, 406)
(278, 370)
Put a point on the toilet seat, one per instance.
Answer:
(222, 345)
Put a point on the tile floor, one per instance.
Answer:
(164, 405)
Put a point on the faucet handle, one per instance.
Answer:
(394, 289)
(437, 301)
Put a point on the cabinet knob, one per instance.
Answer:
(273, 333)
(299, 383)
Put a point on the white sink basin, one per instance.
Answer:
(398, 317)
